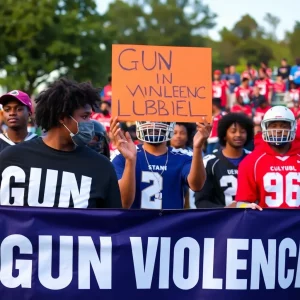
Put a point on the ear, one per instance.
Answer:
(63, 119)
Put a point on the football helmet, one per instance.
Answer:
(99, 143)
(154, 132)
(278, 136)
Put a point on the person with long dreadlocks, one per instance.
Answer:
(59, 170)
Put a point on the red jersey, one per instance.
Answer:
(265, 87)
(269, 72)
(295, 94)
(213, 137)
(259, 114)
(242, 91)
(250, 73)
(220, 91)
(279, 87)
(296, 111)
(270, 178)
(246, 109)
(104, 120)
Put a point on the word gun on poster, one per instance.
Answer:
(159, 83)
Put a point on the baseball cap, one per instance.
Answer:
(18, 95)
(217, 72)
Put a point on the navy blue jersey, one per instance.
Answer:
(159, 184)
(220, 187)
(6, 142)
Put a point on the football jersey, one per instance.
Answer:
(259, 114)
(104, 120)
(220, 91)
(270, 179)
(265, 87)
(294, 94)
(243, 92)
(245, 109)
(5, 141)
(161, 184)
(213, 136)
(220, 186)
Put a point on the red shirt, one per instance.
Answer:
(270, 178)
(219, 91)
(296, 111)
(265, 87)
(213, 137)
(101, 118)
(107, 93)
(252, 72)
(244, 92)
(295, 94)
(259, 114)
(246, 109)
(269, 72)
(279, 87)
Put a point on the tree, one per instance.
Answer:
(38, 37)
(273, 22)
(246, 28)
(154, 22)
(294, 39)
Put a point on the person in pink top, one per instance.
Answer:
(279, 85)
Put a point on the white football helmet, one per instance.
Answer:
(278, 136)
(154, 132)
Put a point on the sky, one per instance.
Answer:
(230, 11)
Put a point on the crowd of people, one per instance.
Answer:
(81, 157)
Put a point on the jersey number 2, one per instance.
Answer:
(151, 195)
(230, 192)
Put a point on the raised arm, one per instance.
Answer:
(197, 175)
(126, 176)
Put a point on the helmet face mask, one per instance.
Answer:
(154, 132)
(278, 136)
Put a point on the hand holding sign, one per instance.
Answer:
(123, 142)
(203, 132)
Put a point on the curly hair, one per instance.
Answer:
(235, 118)
(61, 99)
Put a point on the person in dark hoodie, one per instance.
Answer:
(269, 176)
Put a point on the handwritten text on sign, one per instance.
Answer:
(152, 83)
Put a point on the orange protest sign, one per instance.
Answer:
(159, 83)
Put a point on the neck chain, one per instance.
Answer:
(151, 167)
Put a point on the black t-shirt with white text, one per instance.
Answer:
(33, 174)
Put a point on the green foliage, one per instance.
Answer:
(40, 39)
(295, 41)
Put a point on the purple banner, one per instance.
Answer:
(117, 254)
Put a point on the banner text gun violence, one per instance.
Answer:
(160, 95)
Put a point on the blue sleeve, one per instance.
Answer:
(118, 162)
(186, 169)
(293, 70)
(102, 93)
(238, 79)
